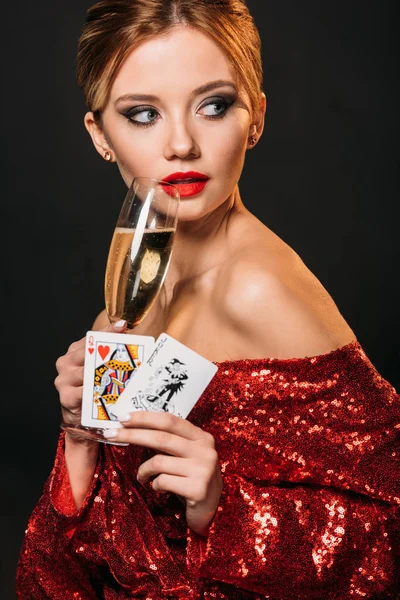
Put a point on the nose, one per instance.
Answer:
(180, 143)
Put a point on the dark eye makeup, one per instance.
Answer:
(222, 105)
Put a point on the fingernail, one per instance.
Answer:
(120, 324)
(124, 418)
(110, 433)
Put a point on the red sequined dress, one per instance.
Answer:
(309, 455)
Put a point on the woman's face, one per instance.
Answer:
(159, 120)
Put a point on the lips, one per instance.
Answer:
(189, 183)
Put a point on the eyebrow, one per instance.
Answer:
(208, 87)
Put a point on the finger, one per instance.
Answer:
(163, 441)
(76, 345)
(71, 377)
(194, 492)
(73, 359)
(161, 463)
(181, 486)
(167, 422)
(71, 398)
(118, 326)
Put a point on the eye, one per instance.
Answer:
(216, 107)
(143, 116)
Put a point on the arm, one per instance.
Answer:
(310, 509)
(47, 567)
(309, 450)
(81, 458)
(80, 454)
(312, 542)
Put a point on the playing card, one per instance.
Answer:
(111, 361)
(172, 380)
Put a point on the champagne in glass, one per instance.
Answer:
(140, 250)
(138, 260)
(133, 280)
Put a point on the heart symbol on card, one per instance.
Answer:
(91, 350)
(103, 351)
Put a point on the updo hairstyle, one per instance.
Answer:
(114, 28)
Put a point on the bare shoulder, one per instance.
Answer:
(101, 321)
(277, 306)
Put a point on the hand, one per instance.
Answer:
(186, 466)
(69, 382)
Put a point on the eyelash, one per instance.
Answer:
(226, 102)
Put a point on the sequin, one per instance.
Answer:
(308, 449)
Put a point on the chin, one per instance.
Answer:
(195, 209)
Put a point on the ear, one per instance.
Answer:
(257, 127)
(98, 137)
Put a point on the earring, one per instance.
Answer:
(253, 140)
(107, 156)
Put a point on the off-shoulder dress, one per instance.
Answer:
(309, 454)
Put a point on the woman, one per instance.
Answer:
(282, 482)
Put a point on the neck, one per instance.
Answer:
(199, 245)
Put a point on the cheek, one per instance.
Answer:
(134, 156)
(130, 165)
(131, 156)
(229, 151)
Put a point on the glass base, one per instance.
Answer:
(90, 433)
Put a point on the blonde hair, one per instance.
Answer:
(114, 27)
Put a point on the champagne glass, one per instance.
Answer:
(138, 259)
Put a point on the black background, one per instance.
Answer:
(324, 177)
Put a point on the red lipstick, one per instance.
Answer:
(189, 183)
